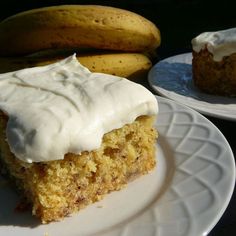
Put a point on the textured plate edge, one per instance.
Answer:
(233, 181)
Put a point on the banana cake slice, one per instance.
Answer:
(69, 136)
(214, 62)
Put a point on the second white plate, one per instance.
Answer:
(172, 78)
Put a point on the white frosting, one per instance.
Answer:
(221, 43)
(63, 107)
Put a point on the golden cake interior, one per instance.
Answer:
(58, 188)
(214, 77)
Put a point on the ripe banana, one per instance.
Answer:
(77, 26)
(133, 66)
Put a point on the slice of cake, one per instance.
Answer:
(69, 136)
(214, 62)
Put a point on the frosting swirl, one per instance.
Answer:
(63, 107)
(220, 43)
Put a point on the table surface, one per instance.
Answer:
(179, 21)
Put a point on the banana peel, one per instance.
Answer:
(77, 26)
(132, 66)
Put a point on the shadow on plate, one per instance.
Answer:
(8, 213)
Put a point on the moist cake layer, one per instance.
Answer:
(58, 188)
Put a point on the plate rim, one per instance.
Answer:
(233, 179)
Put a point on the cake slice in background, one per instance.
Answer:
(214, 62)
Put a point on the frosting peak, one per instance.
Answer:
(63, 107)
(220, 43)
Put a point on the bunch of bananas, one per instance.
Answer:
(105, 39)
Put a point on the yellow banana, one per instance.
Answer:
(129, 65)
(77, 26)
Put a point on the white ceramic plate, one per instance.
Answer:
(184, 196)
(172, 78)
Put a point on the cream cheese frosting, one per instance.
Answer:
(220, 43)
(64, 108)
